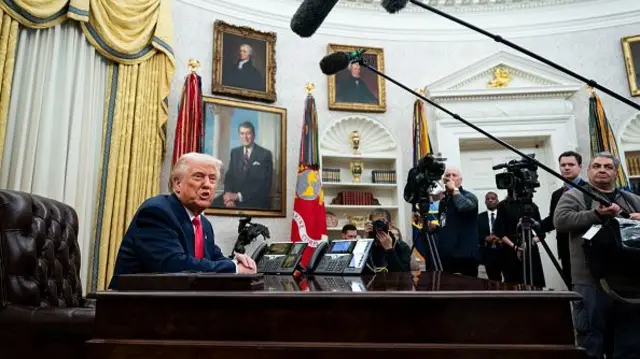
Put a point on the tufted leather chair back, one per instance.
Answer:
(39, 252)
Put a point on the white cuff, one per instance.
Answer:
(239, 197)
(236, 264)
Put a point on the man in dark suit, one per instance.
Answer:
(570, 166)
(169, 234)
(490, 246)
(243, 73)
(353, 89)
(247, 183)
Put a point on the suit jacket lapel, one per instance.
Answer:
(185, 224)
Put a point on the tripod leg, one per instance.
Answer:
(555, 262)
(438, 262)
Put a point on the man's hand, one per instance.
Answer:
(245, 270)
(432, 226)
(610, 211)
(492, 238)
(450, 186)
(385, 240)
(246, 261)
(368, 227)
(635, 216)
(230, 197)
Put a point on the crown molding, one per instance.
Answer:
(357, 23)
(464, 6)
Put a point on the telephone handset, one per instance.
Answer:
(342, 257)
(317, 255)
(278, 257)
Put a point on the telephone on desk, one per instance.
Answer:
(278, 257)
(340, 257)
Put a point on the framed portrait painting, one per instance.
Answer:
(356, 88)
(244, 62)
(631, 51)
(250, 140)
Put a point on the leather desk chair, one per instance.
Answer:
(42, 310)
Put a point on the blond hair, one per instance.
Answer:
(184, 162)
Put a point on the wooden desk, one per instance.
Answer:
(433, 314)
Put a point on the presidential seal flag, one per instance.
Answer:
(309, 224)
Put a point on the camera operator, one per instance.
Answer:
(596, 309)
(506, 229)
(457, 230)
(389, 253)
(570, 166)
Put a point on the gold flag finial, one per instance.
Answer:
(309, 87)
(194, 65)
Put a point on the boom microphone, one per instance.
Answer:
(393, 6)
(310, 16)
(338, 61)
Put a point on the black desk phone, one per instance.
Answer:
(341, 256)
(278, 257)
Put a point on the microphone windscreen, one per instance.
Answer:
(334, 63)
(310, 16)
(393, 6)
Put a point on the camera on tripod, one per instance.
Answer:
(422, 178)
(520, 176)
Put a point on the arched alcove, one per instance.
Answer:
(377, 155)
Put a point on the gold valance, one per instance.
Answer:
(126, 32)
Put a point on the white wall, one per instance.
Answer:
(593, 53)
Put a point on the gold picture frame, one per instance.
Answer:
(244, 62)
(631, 51)
(365, 95)
(261, 179)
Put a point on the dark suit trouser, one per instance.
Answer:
(493, 261)
(564, 255)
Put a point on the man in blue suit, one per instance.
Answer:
(169, 234)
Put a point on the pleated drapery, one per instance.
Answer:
(137, 37)
(133, 150)
(8, 45)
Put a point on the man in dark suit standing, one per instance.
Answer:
(169, 234)
(247, 183)
(490, 246)
(243, 73)
(570, 166)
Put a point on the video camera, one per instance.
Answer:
(422, 178)
(520, 177)
(247, 233)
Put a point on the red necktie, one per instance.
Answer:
(199, 245)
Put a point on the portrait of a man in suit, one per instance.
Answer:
(249, 139)
(244, 62)
(351, 87)
(241, 71)
(247, 182)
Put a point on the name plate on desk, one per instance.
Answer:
(191, 281)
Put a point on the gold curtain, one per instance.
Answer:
(134, 147)
(137, 37)
(8, 46)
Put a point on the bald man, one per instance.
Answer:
(457, 230)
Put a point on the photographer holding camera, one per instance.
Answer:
(596, 310)
(389, 253)
(457, 230)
